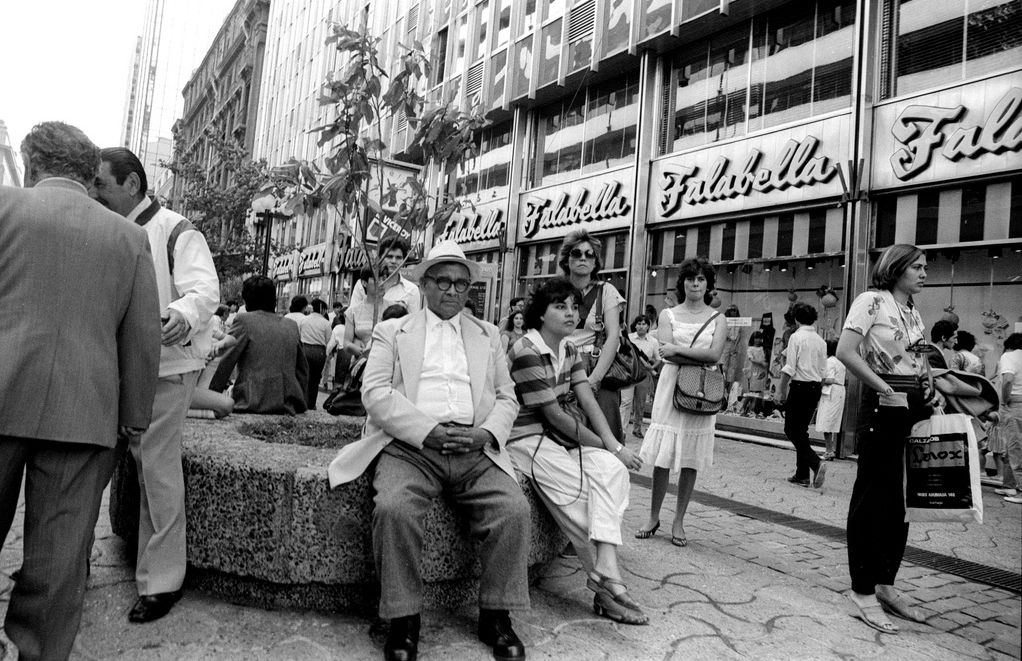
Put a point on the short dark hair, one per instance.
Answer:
(966, 341)
(231, 301)
(756, 335)
(61, 150)
(337, 304)
(298, 304)
(803, 313)
(1013, 342)
(394, 243)
(892, 264)
(643, 318)
(831, 347)
(554, 290)
(942, 330)
(122, 163)
(366, 274)
(394, 311)
(692, 267)
(259, 294)
(318, 305)
(514, 302)
(574, 238)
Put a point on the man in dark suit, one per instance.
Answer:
(76, 371)
(272, 371)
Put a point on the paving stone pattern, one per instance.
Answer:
(741, 589)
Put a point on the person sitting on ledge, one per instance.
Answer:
(272, 371)
(440, 405)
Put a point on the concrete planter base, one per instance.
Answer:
(265, 529)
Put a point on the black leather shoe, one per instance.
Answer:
(153, 606)
(800, 481)
(403, 640)
(495, 630)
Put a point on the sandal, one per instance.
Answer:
(873, 616)
(679, 541)
(604, 606)
(601, 585)
(897, 606)
(646, 534)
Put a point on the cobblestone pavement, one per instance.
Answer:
(743, 588)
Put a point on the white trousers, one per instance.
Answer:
(161, 519)
(589, 509)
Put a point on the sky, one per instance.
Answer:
(67, 60)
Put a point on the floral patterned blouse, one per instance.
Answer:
(888, 329)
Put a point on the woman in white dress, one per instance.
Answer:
(677, 441)
(832, 401)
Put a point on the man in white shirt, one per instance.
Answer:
(440, 405)
(799, 392)
(397, 289)
(189, 293)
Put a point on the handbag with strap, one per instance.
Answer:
(569, 405)
(626, 370)
(700, 388)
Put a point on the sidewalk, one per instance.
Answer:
(742, 588)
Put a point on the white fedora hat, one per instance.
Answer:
(442, 253)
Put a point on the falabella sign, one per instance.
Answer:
(473, 227)
(574, 208)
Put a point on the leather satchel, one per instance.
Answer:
(627, 369)
(699, 389)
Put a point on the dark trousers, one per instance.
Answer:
(64, 485)
(803, 396)
(315, 355)
(877, 532)
(406, 482)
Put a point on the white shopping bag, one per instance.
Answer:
(942, 470)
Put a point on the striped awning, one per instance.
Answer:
(797, 234)
(978, 213)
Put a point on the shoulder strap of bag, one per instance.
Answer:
(700, 332)
(601, 335)
(588, 301)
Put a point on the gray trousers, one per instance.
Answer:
(160, 566)
(64, 485)
(406, 482)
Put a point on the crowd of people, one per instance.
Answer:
(454, 405)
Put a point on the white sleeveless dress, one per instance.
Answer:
(677, 439)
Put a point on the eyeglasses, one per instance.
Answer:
(579, 254)
(460, 286)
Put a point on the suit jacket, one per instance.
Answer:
(79, 317)
(390, 387)
(272, 371)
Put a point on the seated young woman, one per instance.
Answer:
(585, 487)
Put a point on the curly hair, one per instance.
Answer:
(510, 325)
(61, 150)
(692, 267)
(554, 290)
(574, 238)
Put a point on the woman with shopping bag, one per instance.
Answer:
(882, 333)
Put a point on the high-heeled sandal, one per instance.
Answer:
(646, 534)
(607, 607)
(601, 585)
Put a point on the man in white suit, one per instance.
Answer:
(440, 405)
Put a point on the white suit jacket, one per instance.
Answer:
(390, 386)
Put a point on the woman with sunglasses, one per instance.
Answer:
(882, 345)
(584, 481)
(580, 261)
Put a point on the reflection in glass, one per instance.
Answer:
(483, 17)
(550, 43)
(522, 69)
(610, 127)
(459, 48)
(528, 17)
(487, 175)
(559, 142)
(498, 69)
(580, 54)
(503, 22)
(615, 37)
(692, 8)
(654, 18)
(552, 9)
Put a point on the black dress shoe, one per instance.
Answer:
(151, 607)
(495, 630)
(403, 640)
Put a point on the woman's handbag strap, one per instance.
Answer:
(700, 331)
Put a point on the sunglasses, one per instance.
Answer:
(579, 254)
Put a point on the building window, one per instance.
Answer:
(538, 263)
(487, 175)
(777, 68)
(589, 133)
(928, 43)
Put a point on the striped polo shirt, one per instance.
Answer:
(540, 379)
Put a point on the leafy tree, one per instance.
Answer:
(353, 178)
(217, 198)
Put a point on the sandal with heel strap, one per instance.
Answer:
(601, 585)
(607, 607)
(646, 534)
(873, 616)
